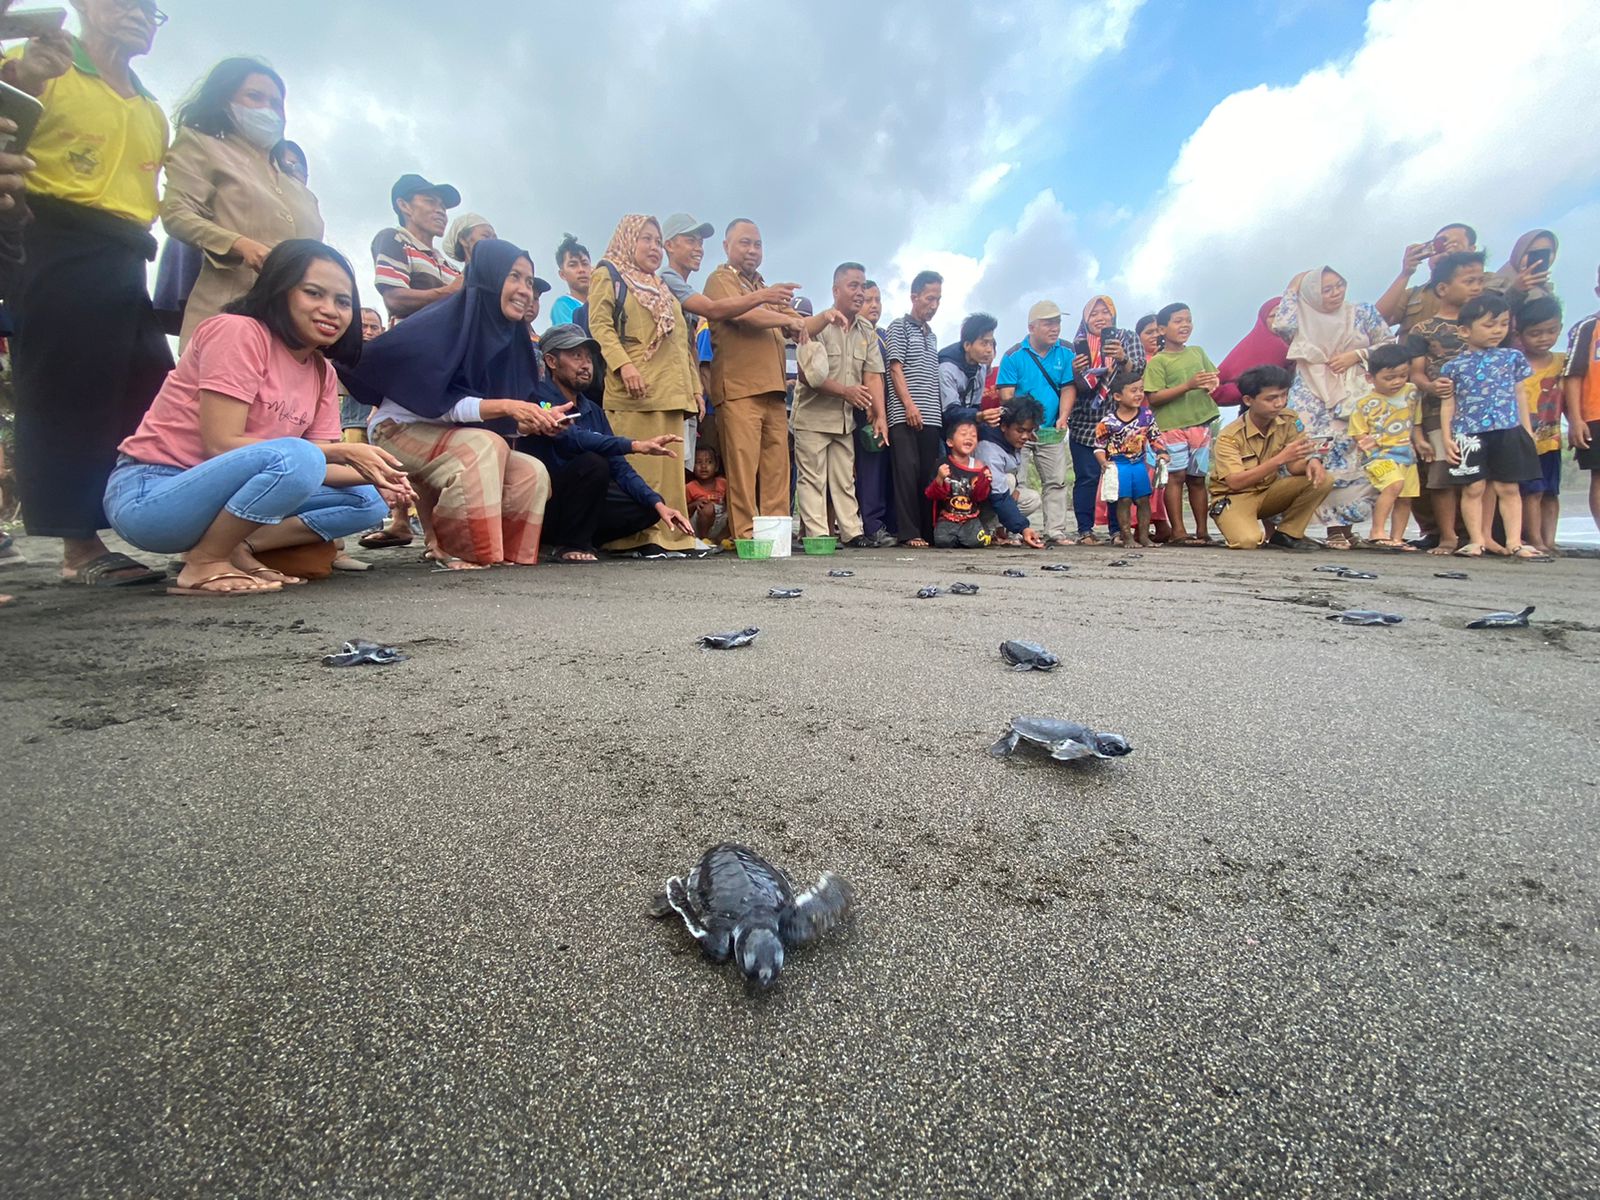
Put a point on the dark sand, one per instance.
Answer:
(272, 929)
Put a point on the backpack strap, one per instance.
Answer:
(619, 285)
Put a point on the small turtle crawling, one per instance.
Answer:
(1502, 620)
(737, 903)
(1055, 567)
(1065, 741)
(1013, 573)
(1365, 616)
(1119, 562)
(1028, 656)
(927, 593)
(1451, 575)
(355, 652)
(785, 593)
(841, 574)
(963, 589)
(729, 641)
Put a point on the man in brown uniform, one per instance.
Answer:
(1263, 465)
(747, 386)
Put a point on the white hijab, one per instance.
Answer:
(1322, 336)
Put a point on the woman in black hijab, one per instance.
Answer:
(451, 384)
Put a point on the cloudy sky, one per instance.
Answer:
(1203, 150)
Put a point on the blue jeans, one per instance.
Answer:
(168, 509)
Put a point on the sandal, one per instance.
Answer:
(1391, 544)
(345, 563)
(1526, 553)
(204, 588)
(1442, 551)
(1088, 539)
(1470, 550)
(272, 575)
(103, 572)
(1339, 541)
(385, 540)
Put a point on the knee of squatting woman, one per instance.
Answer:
(240, 452)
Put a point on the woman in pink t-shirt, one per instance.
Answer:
(240, 452)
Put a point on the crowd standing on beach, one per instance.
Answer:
(657, 417)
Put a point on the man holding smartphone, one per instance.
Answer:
(1404, 305)
(98, 149)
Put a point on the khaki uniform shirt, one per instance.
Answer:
(671, 379)
(852, 355)
(744, 361)
(220, 189)
(1241, 447)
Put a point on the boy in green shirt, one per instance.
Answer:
(1178, 383)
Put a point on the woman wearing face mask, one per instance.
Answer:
(225, 193)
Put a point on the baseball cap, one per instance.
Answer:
(1044, 310)
(408, 186)
(680, 223)
(541, 286)
(565, 337)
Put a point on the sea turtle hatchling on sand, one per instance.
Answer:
(1028, 656)
(738, 904)
(729, 641)
(1064, 741)
(1503, 620)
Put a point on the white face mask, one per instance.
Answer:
(259, 126)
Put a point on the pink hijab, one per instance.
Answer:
(1260, 348)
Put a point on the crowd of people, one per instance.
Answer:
(654, 417)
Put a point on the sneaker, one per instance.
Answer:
(882, 540)
(1282, 541)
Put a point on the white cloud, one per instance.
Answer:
(1450, 110)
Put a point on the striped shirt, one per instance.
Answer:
(911, 344)
(404, 262)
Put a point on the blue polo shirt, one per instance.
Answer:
(1018, 370)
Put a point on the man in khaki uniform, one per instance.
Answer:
(825, 408)
(1263, 465)
(748, 385)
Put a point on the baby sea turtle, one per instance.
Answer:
(963, 589)
(1451, 575)
(1013, 573)
(1356, 575)
(1365, 616)
(729, 641)
(841, 574)
(1028, 656)
(927, 593)
(1119, 562)
(1330, 569)
(1055, 567)
(1064, 741)
(1503, 620)
(785, 593)
(737, 903)
(357, 651)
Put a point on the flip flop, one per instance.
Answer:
(200, 589)
(265, 574)
(1470, 550)
(1531, 554)
(98, 572)
(384, 540)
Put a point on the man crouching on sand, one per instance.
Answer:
(1264, 466)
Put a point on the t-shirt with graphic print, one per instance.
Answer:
(1127, 438)
(1388, 419)
(959, 497)
(1542, 397)
(1438, 339)
(1488, 388)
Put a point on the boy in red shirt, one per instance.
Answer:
(959, 489)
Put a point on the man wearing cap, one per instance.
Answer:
(411, 274)
(1041, 367)
(595, 494)
(841, 374)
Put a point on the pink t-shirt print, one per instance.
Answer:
(236, 356)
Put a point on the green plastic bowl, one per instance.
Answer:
(820, 545)
(752, 548)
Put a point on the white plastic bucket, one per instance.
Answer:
(780, 530)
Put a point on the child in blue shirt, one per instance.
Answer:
(1488, 433)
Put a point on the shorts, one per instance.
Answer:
(1383, 472)
(1133, 478)
(1549, 481)
(1494, 456)
(358, 435)
(1190, 448)
(1589, 460)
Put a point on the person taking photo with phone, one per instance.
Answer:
(98, 149)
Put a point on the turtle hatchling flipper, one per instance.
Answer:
(660, 906)
(677, 898)
(1072, 751)
(1005, 745)
(817, 910)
